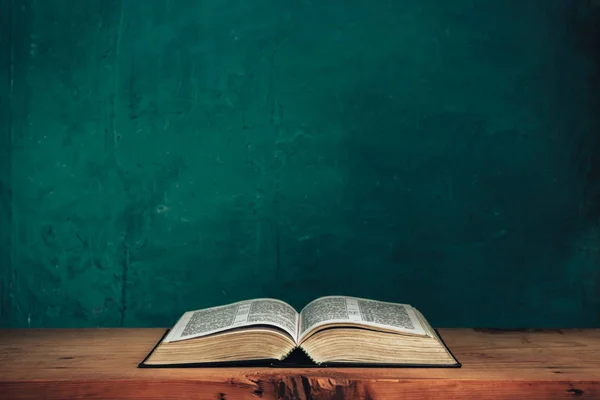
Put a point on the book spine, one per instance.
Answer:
(308, 355)
(302, 350)
(287, 354)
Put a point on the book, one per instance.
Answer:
(329, 331)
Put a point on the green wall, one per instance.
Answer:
(5, 168)
(169, 155)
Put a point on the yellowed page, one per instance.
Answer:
(208, 321)
(337, 310)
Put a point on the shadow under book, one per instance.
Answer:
(330, 331)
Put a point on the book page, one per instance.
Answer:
(204, 322)
(343, 309)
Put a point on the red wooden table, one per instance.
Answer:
(102, 364)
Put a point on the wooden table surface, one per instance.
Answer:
(102, 364)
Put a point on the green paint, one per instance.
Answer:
(172, 155)
(5, 167)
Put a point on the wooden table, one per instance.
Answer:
(101, 364)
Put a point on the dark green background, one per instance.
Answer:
(165, 155)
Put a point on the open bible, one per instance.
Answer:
(332, 330)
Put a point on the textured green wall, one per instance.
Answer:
(170, 155)
(5, 168)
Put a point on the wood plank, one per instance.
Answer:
(101, 363)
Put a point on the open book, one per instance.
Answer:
(332, 330)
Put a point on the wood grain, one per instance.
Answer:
(102, 363)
